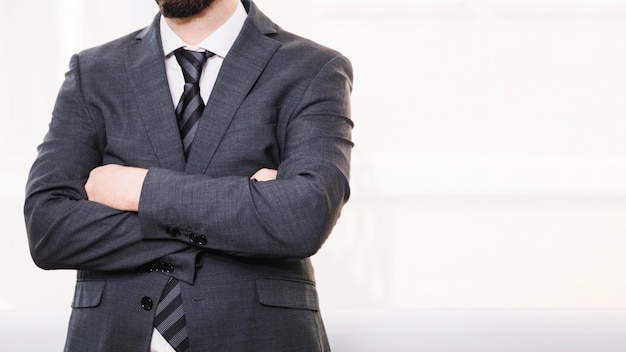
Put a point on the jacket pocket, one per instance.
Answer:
(287, 293)
(88, 294)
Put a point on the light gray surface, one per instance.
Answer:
(400, 331)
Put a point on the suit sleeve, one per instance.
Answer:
(288, 218)
(65, 230)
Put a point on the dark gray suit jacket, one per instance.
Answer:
(240, 247)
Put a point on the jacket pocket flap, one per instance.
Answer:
(287, 293)
(88, 294)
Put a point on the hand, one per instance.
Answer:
(264, 175)
(116, 186)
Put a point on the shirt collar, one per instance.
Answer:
(219, 42)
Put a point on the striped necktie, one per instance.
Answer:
(170, 317)
(190, 105)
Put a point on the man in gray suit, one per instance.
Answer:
(223, 219)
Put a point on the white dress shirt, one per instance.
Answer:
(219, 43)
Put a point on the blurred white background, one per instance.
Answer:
(489, 174)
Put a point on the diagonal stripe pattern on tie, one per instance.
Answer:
(170, 317)
(190, 105)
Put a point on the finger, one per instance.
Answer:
(265, 175)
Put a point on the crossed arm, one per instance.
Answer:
(119, 187)
(81, 215)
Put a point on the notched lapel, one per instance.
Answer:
(146, 69)
(240, 70)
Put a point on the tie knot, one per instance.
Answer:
(191, 63)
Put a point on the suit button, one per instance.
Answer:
(171, 231)
(146, 303)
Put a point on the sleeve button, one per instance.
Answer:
(197, 239)
(171, 231)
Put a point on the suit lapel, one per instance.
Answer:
(146, 70)
(240, 70)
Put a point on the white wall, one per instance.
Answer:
(490, 160)
(489, 164)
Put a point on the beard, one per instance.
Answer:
(182, 8)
